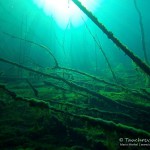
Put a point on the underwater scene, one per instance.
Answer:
(74, 75)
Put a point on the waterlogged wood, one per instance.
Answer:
(144, 67)
(71, 85)
(107, 125)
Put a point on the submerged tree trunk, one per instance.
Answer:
(144, 67)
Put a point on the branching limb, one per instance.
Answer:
(90, 76)
(40, 45)
(70, 84)
(63, 68)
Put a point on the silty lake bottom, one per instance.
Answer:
(74, 75)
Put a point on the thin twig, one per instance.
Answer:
(142, 31)
(101, 49)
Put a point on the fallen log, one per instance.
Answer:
(143, 66)
(107, 125)
(71, 85)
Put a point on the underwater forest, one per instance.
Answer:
(74, 75)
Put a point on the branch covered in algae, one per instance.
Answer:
(62, 88)
(107, 125)
(144, 67)
(90, 76)
(70, 84)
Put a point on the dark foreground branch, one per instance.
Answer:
(107, 125)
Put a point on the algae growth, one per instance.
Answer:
(72, 89)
